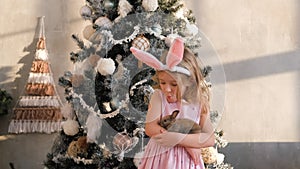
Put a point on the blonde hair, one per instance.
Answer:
(196, 90)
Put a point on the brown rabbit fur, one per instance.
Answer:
(181, 125)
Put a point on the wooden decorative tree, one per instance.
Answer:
(39, 107)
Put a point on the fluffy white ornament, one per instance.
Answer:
(106, 66)
(93, 124)
(41, 54)
(124, 8)
(150, 5)
(70, 127)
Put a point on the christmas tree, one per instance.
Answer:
(38, 109)
(108, 90)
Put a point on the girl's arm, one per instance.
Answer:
(204, 139)
(153, 115)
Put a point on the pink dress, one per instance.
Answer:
(160, 157)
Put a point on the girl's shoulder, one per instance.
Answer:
(156, 95)
(157, 92)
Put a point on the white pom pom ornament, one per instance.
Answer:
(106, 66)
(150, 5)
(70, 127)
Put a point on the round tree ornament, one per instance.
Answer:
(85, 12)
(78, 148)
(106, 66)
(88, 31)
(70, 127)
(108, 4)
(93, 60)
(150, 5)
(141, 43)
(103, 22)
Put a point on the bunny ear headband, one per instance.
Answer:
(174, 57)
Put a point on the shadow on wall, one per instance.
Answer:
(5, 76)
(262, 66)
(26, 61)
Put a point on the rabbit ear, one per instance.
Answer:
(175, 53)
(146, 58)
(174, 114)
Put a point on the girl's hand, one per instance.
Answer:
(162, 130)
(195, 154)
(169, 139)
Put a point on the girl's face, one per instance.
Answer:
(168, 86)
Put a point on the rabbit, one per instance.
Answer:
(182, 125)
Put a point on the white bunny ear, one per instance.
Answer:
(147, 58)
(175, 53)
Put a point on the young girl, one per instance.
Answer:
(181, 87)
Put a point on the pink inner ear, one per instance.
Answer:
(146, 58)
(175, 53)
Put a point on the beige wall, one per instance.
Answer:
(18, 37)
(258, 44)
(19, 32)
